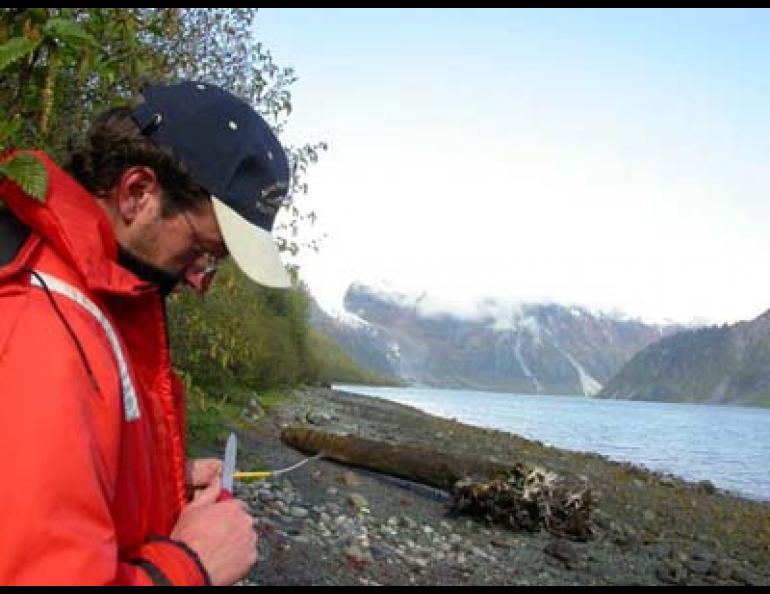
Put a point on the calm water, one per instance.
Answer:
(729, 446)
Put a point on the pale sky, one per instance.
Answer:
(608, 158)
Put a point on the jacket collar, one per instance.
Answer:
(76, 227)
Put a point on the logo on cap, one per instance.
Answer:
(270, 198)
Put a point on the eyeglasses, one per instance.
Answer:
(211, 261)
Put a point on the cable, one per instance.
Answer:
(71, 332)
(269, 473)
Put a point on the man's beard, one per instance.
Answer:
(163, 280)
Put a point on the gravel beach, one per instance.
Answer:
(328, 523)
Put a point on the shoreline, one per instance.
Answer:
(567, 396)
(714, 481)
(334, 524)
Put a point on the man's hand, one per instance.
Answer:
(200, 473)
(221, 533)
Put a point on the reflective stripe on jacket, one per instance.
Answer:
(91, 486)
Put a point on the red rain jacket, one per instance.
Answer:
(93, 473)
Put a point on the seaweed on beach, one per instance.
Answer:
(527, 499)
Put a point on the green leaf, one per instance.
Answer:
(29, 173)
(8, 129)
(16, 48)
(68, 30)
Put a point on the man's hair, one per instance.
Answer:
(114, 144)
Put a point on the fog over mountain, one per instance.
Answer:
(490, 344)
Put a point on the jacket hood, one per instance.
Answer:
(75, 226)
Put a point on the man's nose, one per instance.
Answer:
(199, 280)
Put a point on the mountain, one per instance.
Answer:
(511, 347)
(719, 364)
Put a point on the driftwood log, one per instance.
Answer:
(517, 496)
(413, 462)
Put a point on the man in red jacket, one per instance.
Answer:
(96, 486)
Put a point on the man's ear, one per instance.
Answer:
(137, 191)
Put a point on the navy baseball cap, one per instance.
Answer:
(229, 150)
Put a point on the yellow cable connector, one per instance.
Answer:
(252, 475)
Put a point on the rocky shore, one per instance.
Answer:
(327, 523)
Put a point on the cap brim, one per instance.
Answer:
(253, 249)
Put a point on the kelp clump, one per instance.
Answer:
(527, 499)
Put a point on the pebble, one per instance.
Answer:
(351, 480)
(358, 501)
(562, 550)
